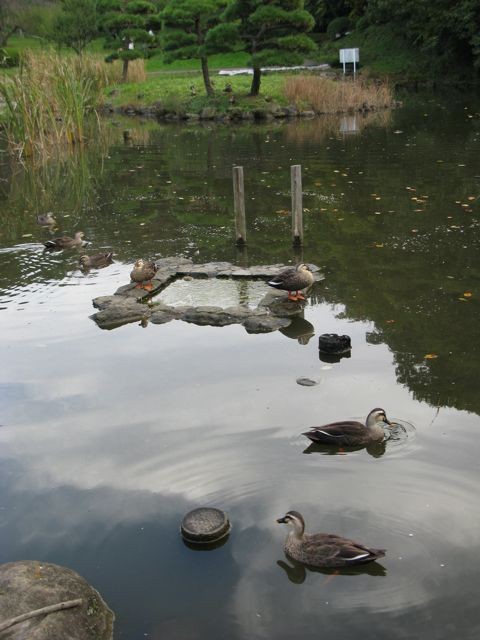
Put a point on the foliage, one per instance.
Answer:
(130, 27)
(9, 58)
(77, 25)
(272, 32)
(48, 101)
(338, 26)
(188, 23)
(448, 31)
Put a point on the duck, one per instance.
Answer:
(142, 272)
(351, 433)
(293, 279)
(97, 261)
(65, 242)
(324, 549)
(46, 219)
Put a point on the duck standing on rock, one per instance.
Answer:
(324, 549)
(96, 261)
(142, 273)
(351, 433)
(293, 279)
(65, 242)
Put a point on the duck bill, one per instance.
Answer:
(281, 520)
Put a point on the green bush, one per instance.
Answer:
(362, 23)
(9, 58)
(338, 26)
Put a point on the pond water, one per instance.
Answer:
(109, 437)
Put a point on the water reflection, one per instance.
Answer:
(297, 572)
(300, 330)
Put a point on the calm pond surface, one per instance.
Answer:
(109, 437)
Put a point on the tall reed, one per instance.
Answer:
(49, 101)
(325, 95)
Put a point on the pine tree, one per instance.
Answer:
(130, 27)
(187, 23)
(76, 26)
(272, 31)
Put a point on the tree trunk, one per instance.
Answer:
(125, 70)
(206, 77)
(255, 88)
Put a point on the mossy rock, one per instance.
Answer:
(29, 585)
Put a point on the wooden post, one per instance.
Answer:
(239, 207)
(297, 207)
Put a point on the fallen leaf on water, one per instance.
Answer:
(467, 294)
(471, 198)
(430, 356)
(27, 235)
(379, 245)
(390, 321)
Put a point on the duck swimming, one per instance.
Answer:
(324, 549)
(351, 433)
(142, 273)
(46, 220)
(293, 279)
(65, 242)
(96, 261)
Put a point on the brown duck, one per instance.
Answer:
(142, 273)
(351, 433)
(97, 261)
(65, 242)
(324, 549)
(293, 279)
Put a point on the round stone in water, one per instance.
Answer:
(204, 525)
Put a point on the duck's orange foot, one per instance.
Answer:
(300, 296)
(148, 286)
(292, 298)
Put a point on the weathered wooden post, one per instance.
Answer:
(239, 207)
(297, 207)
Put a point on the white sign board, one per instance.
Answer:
(349, 55)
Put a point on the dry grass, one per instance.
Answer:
(325, 95)
(48, 103)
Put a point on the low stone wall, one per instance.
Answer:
(131, 304)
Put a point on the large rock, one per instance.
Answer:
(28, 585)
(116, 311)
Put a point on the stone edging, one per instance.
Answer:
(128, 303)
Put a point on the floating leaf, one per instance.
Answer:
(467, 294)
(430, 356)
(390, 321)
(379, 245)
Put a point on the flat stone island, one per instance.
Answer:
(132, 304)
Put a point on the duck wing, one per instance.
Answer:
(283, 279)
(348, 433)
(332, 550)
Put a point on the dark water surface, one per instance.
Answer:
(108, 438)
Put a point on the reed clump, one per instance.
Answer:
(51, 101)
(326, 95)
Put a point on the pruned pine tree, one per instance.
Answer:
(187, 23)
(131, 28)
(76, 25)
(274, 32)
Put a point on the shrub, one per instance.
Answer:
(362, 23)
(9, 58)
(338, 27)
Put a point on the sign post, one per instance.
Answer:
(349, 56)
